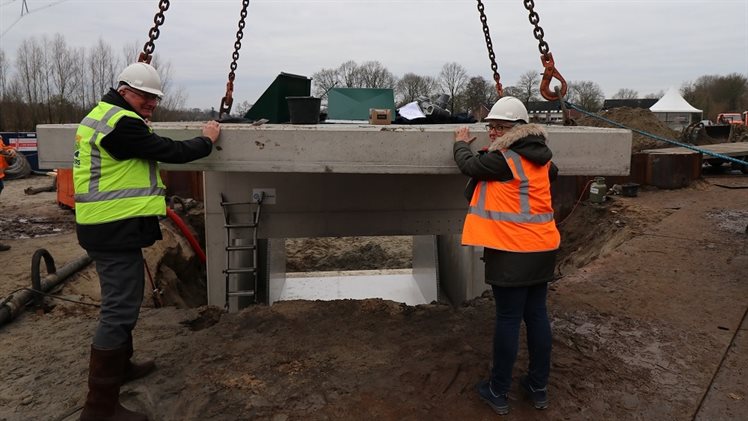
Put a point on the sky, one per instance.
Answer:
(646, 45)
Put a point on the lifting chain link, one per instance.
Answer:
(158, 20)
(546, 58)
(228, 99)
(489, 46)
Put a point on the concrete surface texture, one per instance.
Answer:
(366, 149)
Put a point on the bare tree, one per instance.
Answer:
(587, 94)
(452, 80)
(374, 75)
(130, 53)
(324, 80)
(528, 87)
(411, 86)
(63, 73)
(479, 92)
(80, 86)
(371, 74)
(625, 93)
(242, 108)
(718, 94)
(29, 64)
(3, 75)
(349, 75)
(655, 95)
(102, 67)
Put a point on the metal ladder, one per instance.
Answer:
(232, 248)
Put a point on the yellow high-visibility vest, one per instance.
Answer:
(106, 189)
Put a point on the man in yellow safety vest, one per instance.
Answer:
(119, 196)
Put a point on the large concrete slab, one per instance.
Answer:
(352, 148)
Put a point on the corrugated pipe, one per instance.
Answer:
(186, 232)
(16, 302)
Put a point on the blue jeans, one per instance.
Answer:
(512, 306)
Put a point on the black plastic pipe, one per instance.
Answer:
(15, 303)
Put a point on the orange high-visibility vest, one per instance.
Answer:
(3, 161)
(514, 215)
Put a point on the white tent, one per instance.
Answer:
(674, 110)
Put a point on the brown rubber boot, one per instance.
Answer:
(105, 375)
(4, 247)
(135, 370)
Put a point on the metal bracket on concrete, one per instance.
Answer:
(267, 199)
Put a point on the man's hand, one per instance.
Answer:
(462, 134)
(211, 130)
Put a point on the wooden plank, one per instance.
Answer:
(729, 149)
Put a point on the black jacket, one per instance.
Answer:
(131, 139)
(504, 268)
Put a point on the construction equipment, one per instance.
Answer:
(733, 118)
(705, 131)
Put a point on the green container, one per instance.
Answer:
(598, 190)
(272, 105)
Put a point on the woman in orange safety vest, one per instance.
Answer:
(511, 217)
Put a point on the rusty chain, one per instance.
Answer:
(538, 31)
(228, 99)
(489, 46)
(546, 58)
(158, 20)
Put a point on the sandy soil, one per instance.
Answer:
(646, 321)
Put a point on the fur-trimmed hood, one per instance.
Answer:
(518, 132)
(527, 140)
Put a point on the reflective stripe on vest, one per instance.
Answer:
(97, 204)
(519, 223)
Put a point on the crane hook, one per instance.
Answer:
(549, 73)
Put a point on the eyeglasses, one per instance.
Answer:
(147, 96)
(498, 127)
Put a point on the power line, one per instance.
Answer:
(7, 3)
(25, 7)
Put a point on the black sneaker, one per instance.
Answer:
(4, 247)
(498, 402)
(539, 397)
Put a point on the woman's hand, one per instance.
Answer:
(462, 134)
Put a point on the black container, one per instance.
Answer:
(630, 189)
(303, 109)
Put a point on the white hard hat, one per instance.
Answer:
(143, 77)
(508, 108)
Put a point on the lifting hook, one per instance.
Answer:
(549, 73)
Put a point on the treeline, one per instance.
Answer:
(718, 94)
(467, 93)
(51, 82)
(713, 94)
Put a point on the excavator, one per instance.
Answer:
(706, 132)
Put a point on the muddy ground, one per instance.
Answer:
(646, 321)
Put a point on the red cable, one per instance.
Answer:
(584, 190)
(186, 232)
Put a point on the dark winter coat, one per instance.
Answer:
(131, 139)
(504, 268)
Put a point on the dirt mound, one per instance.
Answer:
(348, 253)
(635, 118)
